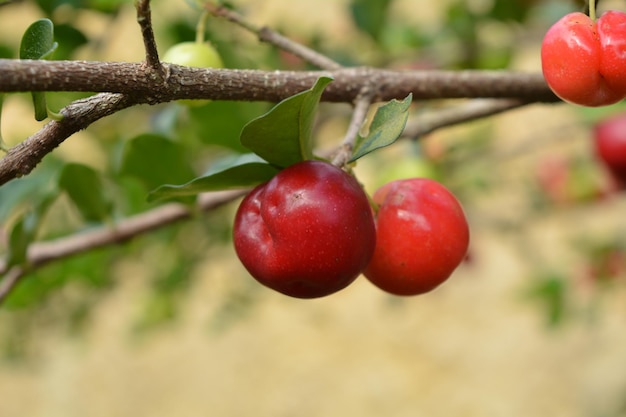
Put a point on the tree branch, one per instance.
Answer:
(256, 85)
(11, 279)
(21, 159)
(42, 253)
(361, 106)
(428, 122)
(270, 36)
(183, 82)
(144, 18)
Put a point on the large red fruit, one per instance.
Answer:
(422, 236)
(610, 146)
(308, 232)
(583, 61)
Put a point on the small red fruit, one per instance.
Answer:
(583, 61)
(610, 146)
(422, 236)
(308, 232)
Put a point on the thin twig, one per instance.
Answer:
(359, 114)
(10, 281)
(425, 123)
(42, 253)
(272, 37)
(144, 18)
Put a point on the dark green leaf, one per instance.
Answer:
(38, 43)
(84, 186)
(27, 191)
(370, 15)
(25, 230)
(283, 136)
(386, 127)
(220, 122)
(19, 239)
(69, 38)
(156, 160)
(516, 10)
(244, 172)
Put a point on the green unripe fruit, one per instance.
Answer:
(193, 54)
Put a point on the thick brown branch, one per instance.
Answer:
(256, 85)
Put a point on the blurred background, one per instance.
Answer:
(170, 324)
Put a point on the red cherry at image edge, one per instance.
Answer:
(610, 146)
(583, 61)
(422, 237)
(308, 232)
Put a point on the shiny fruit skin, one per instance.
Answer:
(610, 146)
(611, 28)
(581, 61)
(193, 54)
(422, 236)
(308, 232)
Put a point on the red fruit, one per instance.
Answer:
(584, 61)
(306, 233)
(610, 146)
(422, 236)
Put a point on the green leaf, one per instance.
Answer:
(38, 43)
(220, 122)
(370, 15)
(19, 239)
(69, 39)
(88, 270)
(38, 40)
(242, 172)
(386, 127)
(24, 231)
(27, 191)
(156, 160)
(283, 136)
(516, 10)
(84, 186)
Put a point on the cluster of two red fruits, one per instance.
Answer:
(312, 230)
(584, 58)
(584, 62)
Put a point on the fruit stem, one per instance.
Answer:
(201, 26)
(592, 10)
